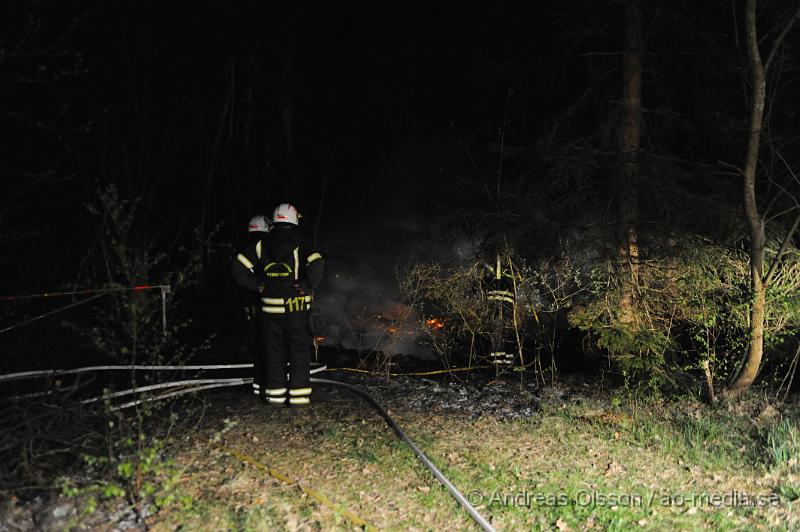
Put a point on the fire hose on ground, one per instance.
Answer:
(443, 480)
(195, 385)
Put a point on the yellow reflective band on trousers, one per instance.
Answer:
(299, 400)
(296, 392)
(501, 295)
(277, 400)
(275, 391)
(244, 260)
(311, 258)
(501, 358)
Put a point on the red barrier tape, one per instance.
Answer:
(84, 292)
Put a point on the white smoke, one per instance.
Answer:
(358, 304)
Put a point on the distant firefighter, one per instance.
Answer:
(499, 283)
(288, 272)
(244, 271)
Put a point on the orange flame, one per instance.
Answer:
(435, 323)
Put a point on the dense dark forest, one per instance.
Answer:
(605, 144)
(633, 165)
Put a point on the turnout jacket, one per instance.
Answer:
(283, 267)
(244, 263)
(244, 269)
(500, 283)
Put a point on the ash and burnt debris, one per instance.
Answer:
(53, 513)
(480, 395)
(500, 399)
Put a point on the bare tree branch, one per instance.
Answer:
(780, 38)
(784, 246)
(787, 240)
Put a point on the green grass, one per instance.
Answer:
(783, 443)
(564, 490)
(595, 464)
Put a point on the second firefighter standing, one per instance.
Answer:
(500, 293)
(244, 271)
(286, 273)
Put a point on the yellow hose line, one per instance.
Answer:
(314, 494)
(415, 374)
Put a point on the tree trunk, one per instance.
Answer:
(628, 145)
(754, 222)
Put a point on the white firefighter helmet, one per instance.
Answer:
(285, 213)
(259, 224)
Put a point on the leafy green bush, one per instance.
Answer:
(142, 474)
(691, 307)
(127, 326)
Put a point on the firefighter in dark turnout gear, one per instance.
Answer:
(500, 292)
(244, 271)
(291, 273)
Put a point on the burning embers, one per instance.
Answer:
(396, 320)
(435, 323)
(395, 327)
(390, 327)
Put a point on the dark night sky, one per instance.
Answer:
(160, 97)
(361, 77)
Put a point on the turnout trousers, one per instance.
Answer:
(287, 340)
(503, 337)
(252, 314)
